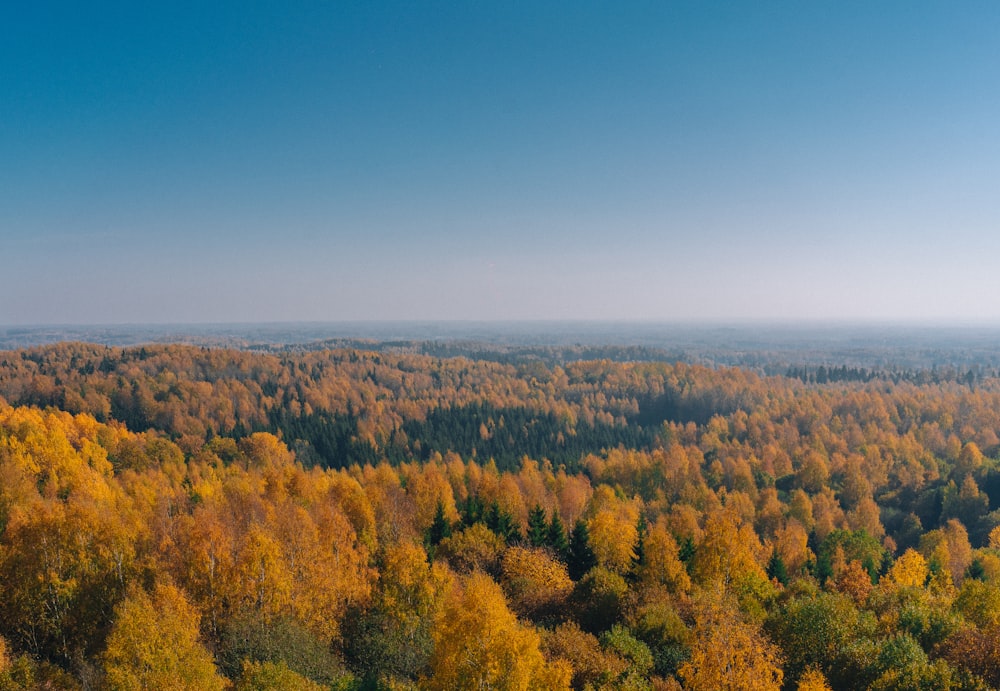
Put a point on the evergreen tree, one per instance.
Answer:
(537, 527)
(823, 568)
(501, 523)
(556, 537)
(471, 510)
(641, 529)
(686, 552)
(440, 527)
(581, 556)
(776, 568)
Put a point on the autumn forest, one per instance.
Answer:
(187, 517)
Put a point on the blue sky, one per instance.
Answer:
(241, 161)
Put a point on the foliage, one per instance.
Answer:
(286, 517)
(728, 653)
(154, 644)
(478, 643)
(265, 676)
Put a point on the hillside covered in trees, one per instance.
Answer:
(188, 517)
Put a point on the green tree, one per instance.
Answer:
(440, 527)
(581, 556)
(537, 526)
(556, 537)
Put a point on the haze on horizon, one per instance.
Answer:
(655, 161)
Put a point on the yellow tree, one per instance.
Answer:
(154, 645)
(909, 571)
(479, 644)
(791, 542)
(612, 529)
(477, 548)
(534, 580)
(728, 552)
(728, 653)
(662, 563)
(813, 680)
(265, 676)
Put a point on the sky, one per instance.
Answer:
(225, 161)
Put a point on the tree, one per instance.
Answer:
(641, 531)
(440, 527)
(909, 571)
(776, 568)
(478, 643)
(535, 582)
(391, 639)
(154, 644)
(853, 580)
(581, 556)
(556, 537)
(812, 680)
(537, 526)
(948, 551)
(823, 632)
(477, 548)
(637, 655)
(265, 676)
(598, 599)
(728, 552)
(857, 545)
(976, 650)
(592, 665)
(661, 563)
(728, 653)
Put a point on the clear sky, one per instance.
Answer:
(289, 161)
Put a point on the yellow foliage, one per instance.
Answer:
(154, 645)
(909, 571)
(410, 587)
(479, 644)
(812, 680)
(534, 580)
(590, 663)
(612, 529)
(662, 563)
(728, 550)
(428, 486)
(791, 542)
(995, 538)
(729, 654)
(265, 676)
(477, 548)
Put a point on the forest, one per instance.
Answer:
(190, 517)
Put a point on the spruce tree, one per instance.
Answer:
(556, 537)
(537, 527)
(472, 510)
(776, 568)
(641, 529)
(581, 556)
(440, 527)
